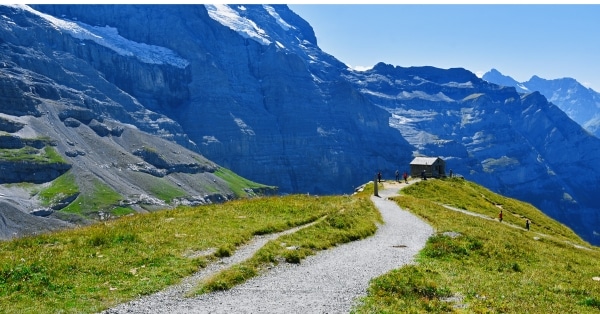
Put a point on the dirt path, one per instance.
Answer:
(330, 282)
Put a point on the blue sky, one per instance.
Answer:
(550, 41)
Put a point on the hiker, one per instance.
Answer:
(397, 176)
(527, 224)
(423, 175)
(379, 176)
(450, 173)
(405, 176)
(500, 216)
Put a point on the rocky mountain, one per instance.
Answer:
(75, 148)
(247, 87)
(580, 103)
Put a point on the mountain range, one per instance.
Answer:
(580, 103)
(165, 91)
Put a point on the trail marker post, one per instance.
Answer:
(375, 192)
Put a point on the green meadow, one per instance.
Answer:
(473, 263)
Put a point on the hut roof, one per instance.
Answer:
(424, 160)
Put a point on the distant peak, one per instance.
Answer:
(495, 73)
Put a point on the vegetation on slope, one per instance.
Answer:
(31, 154)
(159, 187)
(479, 265)
(240, 185)
(99, 197)
(61, 188)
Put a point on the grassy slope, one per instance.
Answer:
(239, 184)
(477, 265)
(473, 265)
(88, 269)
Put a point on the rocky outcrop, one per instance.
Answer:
(15, 223)
(15, 142)
(31, 171)
(10, 126)
(82, 115)
(157, 160)
(15, 96)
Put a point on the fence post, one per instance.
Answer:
(375, 192)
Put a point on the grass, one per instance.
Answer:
(89, 269)
(47, 155)
(164, 190)
(470, 265)
(100, 198)
(52, 156)
(238, 184)
(159, 187)
(61, 188)
(467, 195)
(476, 265)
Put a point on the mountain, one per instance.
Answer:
(75, 148)
(248, 88)
(580, 103)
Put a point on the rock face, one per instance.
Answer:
(268, 111)
(60, 116)
(17, 223)
(248, 87)
(580, 103)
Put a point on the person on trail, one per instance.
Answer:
(405, 177)
(379, 176)
(500, 216)
(423, 175)
(397, 176)
(527, 224)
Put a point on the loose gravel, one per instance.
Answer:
(333, 281)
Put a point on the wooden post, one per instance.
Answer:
(375, 186)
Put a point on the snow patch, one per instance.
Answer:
(242, 125)
(468, 116)
(491, 164)
(316, 79)
(9, 21)
(361, 68)
(473, 96)
(109, 37)
(322, 132)
(208, 139)
(468, 84)
(227, 16)
(377, 94)
(422, 95)
(277, 18)
(407, 123)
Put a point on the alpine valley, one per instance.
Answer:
(139, 99)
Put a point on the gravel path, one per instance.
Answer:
(329, 282)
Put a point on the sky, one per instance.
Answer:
(519, 40)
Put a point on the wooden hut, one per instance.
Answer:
(434, 167)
